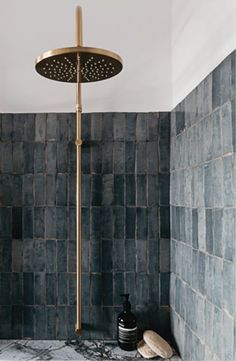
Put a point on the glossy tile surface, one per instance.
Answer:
(203, 212)
(125, 222)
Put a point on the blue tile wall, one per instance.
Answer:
(203, 216)
(125, 223)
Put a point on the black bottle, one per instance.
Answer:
(127, 326)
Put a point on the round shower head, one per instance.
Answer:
(78, 64)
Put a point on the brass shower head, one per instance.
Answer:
(78, 64)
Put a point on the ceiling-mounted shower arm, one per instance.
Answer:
(79, 38)
(79, 26)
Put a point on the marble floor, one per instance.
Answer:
(22, 350)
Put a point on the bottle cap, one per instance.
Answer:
(126, 303)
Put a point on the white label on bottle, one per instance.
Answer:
(128, 329)
(127, 335)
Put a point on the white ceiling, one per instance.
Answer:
(138, 30)
(167, 46)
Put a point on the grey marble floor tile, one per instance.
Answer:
(19, 350)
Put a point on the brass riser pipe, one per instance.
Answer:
(78, 326)
(78, 212)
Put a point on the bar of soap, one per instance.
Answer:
(145, 350)
(157, 344)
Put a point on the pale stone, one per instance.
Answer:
(157, 344)
(145, 350)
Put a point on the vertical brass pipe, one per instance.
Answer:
(78, 176)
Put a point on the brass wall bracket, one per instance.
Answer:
(78, 142)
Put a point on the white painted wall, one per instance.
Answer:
(138, 30)
(203, 34)
(168, 47)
